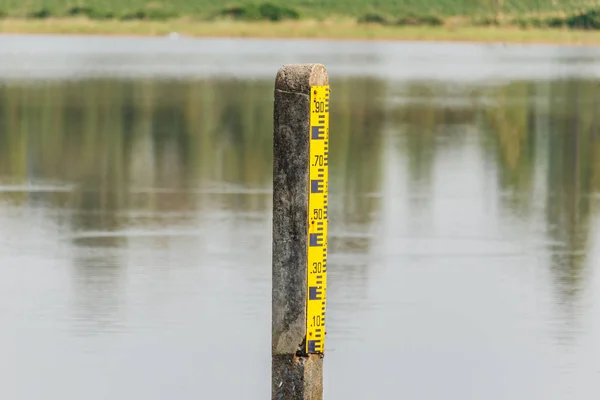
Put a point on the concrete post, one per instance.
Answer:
(295, 373)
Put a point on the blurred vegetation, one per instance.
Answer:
(258, 12)
(574, 14)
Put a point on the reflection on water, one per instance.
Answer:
(135, 240)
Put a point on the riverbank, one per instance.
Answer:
(341, 29)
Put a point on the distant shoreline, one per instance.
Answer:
(303, 29)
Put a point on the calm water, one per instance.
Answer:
(135, 205)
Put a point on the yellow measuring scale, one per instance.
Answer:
(317, 217)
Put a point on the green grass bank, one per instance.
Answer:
(576, 14)
(573, 21)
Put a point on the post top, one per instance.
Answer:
(300, 77)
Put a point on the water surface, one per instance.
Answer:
(135, 206)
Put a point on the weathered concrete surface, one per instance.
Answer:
(297, 377)
(298, 78)
(294, 374)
